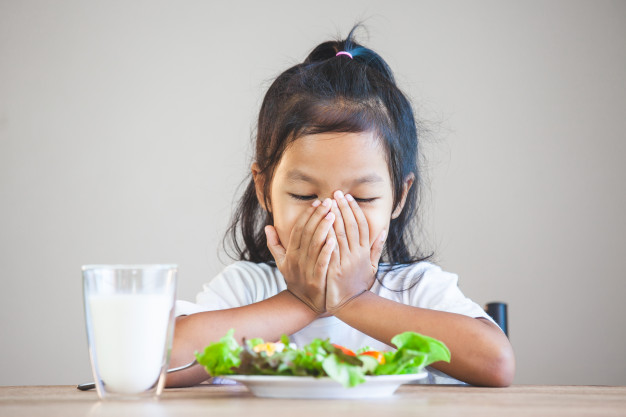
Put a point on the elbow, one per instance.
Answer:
(502, 370)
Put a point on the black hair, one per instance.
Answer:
(330, 93)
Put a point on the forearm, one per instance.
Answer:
(480, 353)
(268, 319)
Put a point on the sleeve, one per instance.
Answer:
(185, 308)
(439, 290)
(238, 285)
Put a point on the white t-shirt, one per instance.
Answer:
(422, 285)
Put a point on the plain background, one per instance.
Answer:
(125, 131)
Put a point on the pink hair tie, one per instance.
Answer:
(344, 53)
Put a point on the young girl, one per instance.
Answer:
(333, 190)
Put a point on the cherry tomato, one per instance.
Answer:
(344, 350)
(376, 355)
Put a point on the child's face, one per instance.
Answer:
(314, 167)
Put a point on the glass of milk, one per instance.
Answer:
(129, 312)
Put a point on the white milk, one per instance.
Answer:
(129, 332)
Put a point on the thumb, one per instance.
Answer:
(377, 248)
(274, 245)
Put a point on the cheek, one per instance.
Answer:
(285, 217)
(377, 220)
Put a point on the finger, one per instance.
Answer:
(377, 249)
(361, 221)
(273, 243)
(335, 259)
(349, 221)
(340, 231)
(320, 237)
(312, 225)
(323, 261)
(296, 232)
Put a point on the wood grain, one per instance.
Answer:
(409, 400)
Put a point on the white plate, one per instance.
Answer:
(271, 386)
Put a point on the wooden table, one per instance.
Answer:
(409, 400)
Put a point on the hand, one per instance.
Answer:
(354, 262)
(304, 263)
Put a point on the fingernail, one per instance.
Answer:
(330, 215)
(349, 197)
(338, 194)
(316, 203)
(383, 235)
(326, 202)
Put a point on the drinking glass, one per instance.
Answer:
(129, 313)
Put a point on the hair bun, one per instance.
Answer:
(328, 50)
(323, 51)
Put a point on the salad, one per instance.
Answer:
(320, 358)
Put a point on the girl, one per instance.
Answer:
(333, 189)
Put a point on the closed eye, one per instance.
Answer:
(365, 200)
(303, 197)
(313, 197)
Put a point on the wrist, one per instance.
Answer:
(335, 311)
(303, 306)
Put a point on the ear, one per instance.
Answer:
(408, 182)
(259, 184)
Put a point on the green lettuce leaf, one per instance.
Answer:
(436, 351)
(414, 352)
(221, 358)
(369, 364)
(254, 342)
(321, 358)
(345, 373)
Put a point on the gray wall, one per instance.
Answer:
(125, 129)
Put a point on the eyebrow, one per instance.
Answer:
(297, 175)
